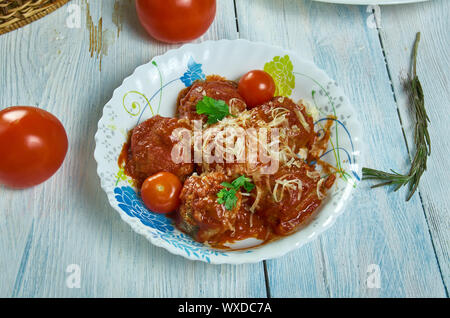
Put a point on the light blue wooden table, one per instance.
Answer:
(67, 220)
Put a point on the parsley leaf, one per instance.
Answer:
(215, 109)
(243, 181)
(227, 196)
(227, 185)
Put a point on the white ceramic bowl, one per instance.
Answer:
(153, 88)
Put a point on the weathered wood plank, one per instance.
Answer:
(47, 64)
(378, 227)
(398, 28)
(68, 220)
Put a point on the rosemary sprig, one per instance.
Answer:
(421, 140)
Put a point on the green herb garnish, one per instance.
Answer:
(215, 109)
(242, 181)
(227, 196)
(421, 140)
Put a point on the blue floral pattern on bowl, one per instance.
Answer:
(132, 205)
(193, 73)
(192, 248)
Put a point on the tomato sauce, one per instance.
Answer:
(279, 204)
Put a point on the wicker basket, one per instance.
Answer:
(17, 13)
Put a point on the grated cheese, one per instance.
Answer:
(290, 184)
(302, 120)
(320, 195)
(257, 199)
(315, 175)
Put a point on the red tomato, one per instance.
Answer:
(161, 192)
(256, 87)
(175, 21)
(33, 145)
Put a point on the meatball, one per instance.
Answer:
(299, 126)
(150, 149)
(201, 216)
(215, 87)
(295, 193)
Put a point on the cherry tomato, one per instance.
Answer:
(175, 21)
(161, 192)
(33, 145)
(256, 87)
